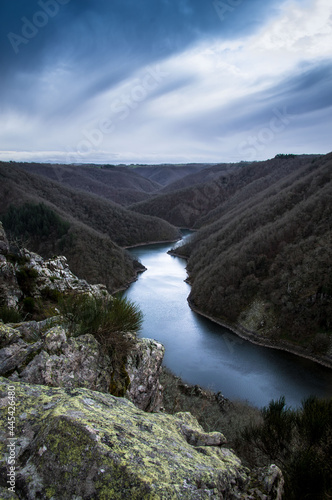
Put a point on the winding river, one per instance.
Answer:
(204, 353)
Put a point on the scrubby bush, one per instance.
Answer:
(299, 441)
(29, 305)
(113, 321)
(10, 315)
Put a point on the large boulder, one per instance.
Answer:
(81, 444)
(45, 353)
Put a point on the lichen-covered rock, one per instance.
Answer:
(196, 436)
(17, 355)
(54, 274)
(44, 353)
(8, 335)
(144, 369)
(80, 444)
(270, 480)
(55, 359)
(38, 276)
(10, 292)
(30, 331)
(6, 494)
(73, 362)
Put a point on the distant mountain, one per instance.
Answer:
(261, 264)
(167, 174)
(119, 184)
(202, 176)
(208, 189)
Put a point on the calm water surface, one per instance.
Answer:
(204, 353)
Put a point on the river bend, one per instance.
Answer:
(204, 353)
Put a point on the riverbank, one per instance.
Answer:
(252, 337)
(128, 283)
(174, 254)
(151, 243)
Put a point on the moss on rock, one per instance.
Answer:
(77, 443)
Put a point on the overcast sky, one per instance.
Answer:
(154, 81)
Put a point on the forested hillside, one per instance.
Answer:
(92, 228)
(209, 189)
(264, 264)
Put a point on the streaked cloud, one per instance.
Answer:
(167, 81)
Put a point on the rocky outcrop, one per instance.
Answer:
(10, 292)
(45, 353)
(64, 436)
(24, 273)
(144, 365)
(77, 443)
(54, 274)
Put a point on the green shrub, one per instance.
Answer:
(300, 442)
(51, 294)
(109, 319)
(16, 258)
(10, 315)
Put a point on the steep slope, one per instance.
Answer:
(119, 184)
(188, 206)
(263, 266)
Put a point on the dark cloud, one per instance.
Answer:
(88, 34)
(60, 58)
(308, 89)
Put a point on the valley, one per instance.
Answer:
(258, 261)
